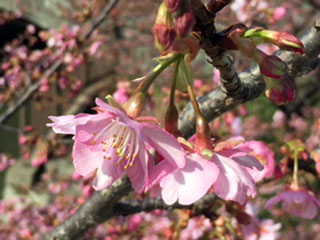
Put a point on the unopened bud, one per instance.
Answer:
(283, 40)
(134, 106)
(273, 67)
(203, 135)
(280, 91)
(173, 5)
(164, 36)
(171, 120)
(164, 16)
(184, 24)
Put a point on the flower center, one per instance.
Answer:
(118, 138)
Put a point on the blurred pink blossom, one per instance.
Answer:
(298, 202)
(5, 162)
(265, 155)
(279, 13)
(195, 229)
(123, 92)
(279, 119)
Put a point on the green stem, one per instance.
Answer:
(295, 167)
(173, 86)
(150, 77)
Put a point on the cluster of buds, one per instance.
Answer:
(280, 89)
(174, 35)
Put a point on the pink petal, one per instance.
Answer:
(86, 158)
(108, 108)
(189, 184)
(91, 130)
(273, 201)
(233, 183)
(138, 173)
(249, 161)
(165, 144)
(156, 173)
(107, 174)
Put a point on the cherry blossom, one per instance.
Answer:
(298, 202)
(110, 143)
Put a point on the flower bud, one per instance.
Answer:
(203, 135)
(171, 120)
(135, 104)
(164, 36)
(164, 16)
(184, 24)
(273, 67)
(283, 40)
(189, 46)
(173, 5)
(280, 91)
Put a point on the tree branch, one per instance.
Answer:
(128, 207)
(93, 212)
(218, 101)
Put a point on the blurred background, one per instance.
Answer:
(55, 61)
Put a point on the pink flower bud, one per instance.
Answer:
(164, 36)
(273, 67)
(280, 91)
(173, 5)
(283, 40)
(184, 24)
(287, 41)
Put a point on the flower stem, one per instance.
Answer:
(173, 86)
(203, 135)
(151, 76)
(295, 167)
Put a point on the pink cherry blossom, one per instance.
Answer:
(6, 162)
(265, 155)
(262, 230)
(234, 182)
(110, 144)
(224, 170)
(297, 202)
(265, 229)
(196, 228)
(189, 184)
